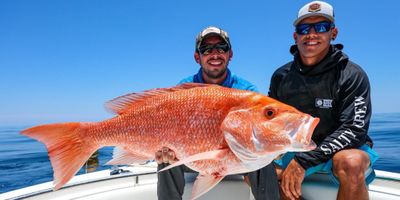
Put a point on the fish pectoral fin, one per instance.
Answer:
(204, 183)
(122, 156)
(208, 155)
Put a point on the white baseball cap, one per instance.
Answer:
(315, 8)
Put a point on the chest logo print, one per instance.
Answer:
(323, 103)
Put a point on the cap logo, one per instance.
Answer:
(315, 7)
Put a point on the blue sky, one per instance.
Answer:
(62, 60)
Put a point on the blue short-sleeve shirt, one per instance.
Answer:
(231, 81)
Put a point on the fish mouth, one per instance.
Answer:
(309, 125)
(301, 137)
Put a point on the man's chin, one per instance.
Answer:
(216, 74)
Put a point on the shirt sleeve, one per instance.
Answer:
(273, 86)
(186, 80)
(252, 88)
(354, 106)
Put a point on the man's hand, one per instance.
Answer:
(165, 155)
(292, 178)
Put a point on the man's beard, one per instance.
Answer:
(215, 74)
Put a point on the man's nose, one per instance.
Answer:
(312, 30)
(214, 51)
(214, 54)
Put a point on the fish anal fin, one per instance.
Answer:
(213, 155)
(121, 104)
(204, 183)
(123, 156)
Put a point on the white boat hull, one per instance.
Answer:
(141, 183)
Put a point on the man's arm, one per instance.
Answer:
(276, 80)
(354, 108)
(273, 87)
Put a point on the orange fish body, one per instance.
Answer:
(214, 130)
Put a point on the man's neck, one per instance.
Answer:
(210, 80)
(312, 61)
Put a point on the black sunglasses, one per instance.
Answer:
(320, 27)
(207, 49)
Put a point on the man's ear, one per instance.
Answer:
(197, 57)
(295, 37)
(230, 54)
(335, 32)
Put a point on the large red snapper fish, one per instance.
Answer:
(214, 130)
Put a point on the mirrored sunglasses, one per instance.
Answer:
(320, 27)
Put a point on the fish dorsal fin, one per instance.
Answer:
(204, 183)
(208, 155)
(120, 104)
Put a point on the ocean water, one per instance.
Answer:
(24, 161)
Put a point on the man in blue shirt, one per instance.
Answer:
(213, 51)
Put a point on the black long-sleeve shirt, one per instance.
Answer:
(337, 91)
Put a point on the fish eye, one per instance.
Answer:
(269, 113)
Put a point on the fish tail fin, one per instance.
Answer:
(67, 151)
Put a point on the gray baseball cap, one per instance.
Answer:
(211, 30)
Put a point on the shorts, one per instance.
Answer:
(327, 166)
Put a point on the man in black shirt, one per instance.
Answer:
(322, 81)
